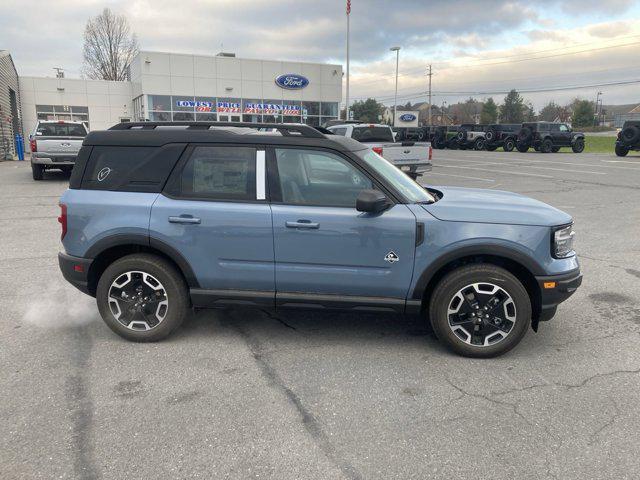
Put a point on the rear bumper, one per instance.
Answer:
(563, 287)
(42, 158)
(75, 270)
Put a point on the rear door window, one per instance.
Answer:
(220, 173)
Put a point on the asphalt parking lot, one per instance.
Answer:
(250, 394)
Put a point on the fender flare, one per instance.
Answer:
(493, 249)
(126, 239)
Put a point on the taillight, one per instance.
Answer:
(378, 150)
(33, 145)
(430, 152)
(62, 219)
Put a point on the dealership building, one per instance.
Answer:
(177, 87)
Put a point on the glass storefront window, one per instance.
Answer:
(206, 105)
(183, 117)
(311, 108)
(313, 121)
(329, 109)
(182, 104)
(206, 117)
(290, 119)
(252, 106)
(79, 109)
(159, 103)
(252, 118)
(160, 116)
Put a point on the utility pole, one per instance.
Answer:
(596, 117)
(430, 74)
(346, 109)
(395, 98)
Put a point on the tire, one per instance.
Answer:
(524, 135)
(578, 145)
(522, 148)
(509, 145)
(546, 146)
(555, 149)
(173, 291)
(37, 171)
(630, 135)
(621, 151)
(490, 135)
(477, 280)
(479, 144)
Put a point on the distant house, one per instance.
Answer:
(620, 118)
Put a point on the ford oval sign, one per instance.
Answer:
(407, 117)
(291, 81)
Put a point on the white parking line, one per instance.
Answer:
(519, 164)
(459, 176)
(521, 157)
(498, 171)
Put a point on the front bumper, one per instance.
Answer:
(555, 289)
(75, 270)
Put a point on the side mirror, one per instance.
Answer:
(372, 201)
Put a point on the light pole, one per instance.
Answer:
(395, 97)
(596, 117)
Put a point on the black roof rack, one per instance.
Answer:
(285, 129)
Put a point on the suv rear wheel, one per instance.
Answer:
(37, 171)
(478, 144)
(480, 310)
(142, 297)
(621, 151)
(578, 145)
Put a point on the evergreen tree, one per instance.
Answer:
(489, 112)
(367, 110)
(512, 110)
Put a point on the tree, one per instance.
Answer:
(367, 110)
(467, 111)
(550, 112)
(109, 46)
(583, 112)
(512, 111)
(528, 113)
(489, 112)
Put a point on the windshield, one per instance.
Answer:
(61, 130)
(410, 189)
(372, 134)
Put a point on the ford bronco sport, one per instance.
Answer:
(547, 137)
(159, 219)
(628, 138)
(501, 135)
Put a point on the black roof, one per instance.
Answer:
(156, 134)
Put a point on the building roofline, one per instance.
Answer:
(237, 58)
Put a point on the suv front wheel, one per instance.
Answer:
(142, 297)
(480, 310)
(578, 145)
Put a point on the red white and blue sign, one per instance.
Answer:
(292, 81)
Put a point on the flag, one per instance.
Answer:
(348, 7)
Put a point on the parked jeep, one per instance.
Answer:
(501, 135)
(445, 137)
(157, 221)
(548, 137)
(471, 136)
(628, 138)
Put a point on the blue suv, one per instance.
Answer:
(162, 218)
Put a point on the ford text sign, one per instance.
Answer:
(291, 81)
(407, 117)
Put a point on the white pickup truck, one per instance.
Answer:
(411, 157)
(55, 144)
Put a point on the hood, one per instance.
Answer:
(493, 206)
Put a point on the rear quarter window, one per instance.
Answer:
(61, 130)
(131, 169)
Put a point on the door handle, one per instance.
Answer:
(303, 224)
(185, 219)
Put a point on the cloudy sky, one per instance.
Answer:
(476, 47)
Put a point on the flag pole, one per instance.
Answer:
(346, 109)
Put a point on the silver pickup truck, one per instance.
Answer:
(414, 158)
(55, 144)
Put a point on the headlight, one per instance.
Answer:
(563, 242)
